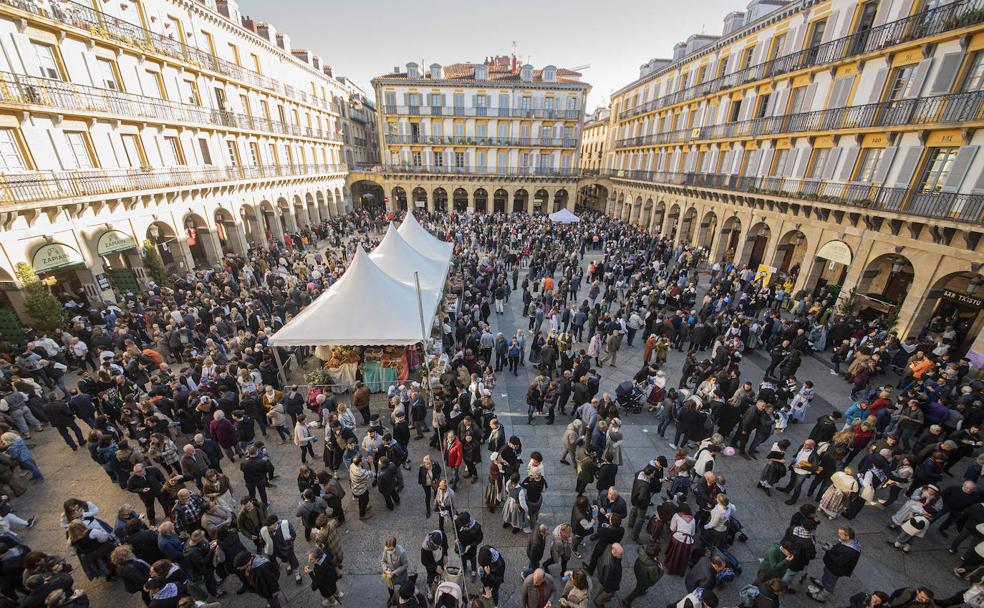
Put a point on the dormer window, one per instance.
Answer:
(526, 73)
(413, 70)
(550, 74)
(436, 73)
(481, 72)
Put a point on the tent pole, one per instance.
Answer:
(280, 367)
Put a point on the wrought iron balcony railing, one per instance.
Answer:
(460, 140)
(475, 170)
(955, 15)
(954, 108)
(107, 26)
(532, 113)
(26, 91)
(35, 186)
(934, 204)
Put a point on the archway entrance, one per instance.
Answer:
(758, 240)
(560, 200)
(952, 310)
(368, 195)
(671, 227)
(120, 256)
(541, 199)
(829, 268)
(885, 283)
(499, 201)
(420, 198)
(63, 270)
(520, 201)
(251, 226)
(790, 253)
(687, 230)
(284, 214)
(199, 240)
(708, 227)
(399, 198)
(481, 201)
(460, 200)
(441, 200)
(164, 239)
(729, 240)
(646, 217)
(225, 232)
(592, 196)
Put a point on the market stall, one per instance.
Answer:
(424, 242)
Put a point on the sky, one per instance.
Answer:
(366, 38)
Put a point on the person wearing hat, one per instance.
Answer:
(278, 544)
(492, 569)
(260, 574)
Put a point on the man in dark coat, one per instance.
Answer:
(324, 576)
(609, 575)
(261, 575)
(839, 560)
(61, 416)
(146, 482)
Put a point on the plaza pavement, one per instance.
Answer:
(73, 474)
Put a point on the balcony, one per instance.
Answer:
(538, 114)
(859, 196)
(457, 140)
(66, 97)
(37, 186)
(958, 14)
(954, 108)
(493, 171)
(102, 25)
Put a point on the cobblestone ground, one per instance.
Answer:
(73, 474)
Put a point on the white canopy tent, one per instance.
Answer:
(564, 217)
(397, 258)
(365, 307)
(426, 243)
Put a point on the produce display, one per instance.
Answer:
(390, 356)
(342, 355)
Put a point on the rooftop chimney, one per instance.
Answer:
(267, 32)
(283, 41)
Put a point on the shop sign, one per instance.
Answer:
(55, 256)
(962, 298)
(103, 280)
(114, 241)
(765, 273)
(836, 251)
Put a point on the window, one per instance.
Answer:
(778, 162)
(459, 103)
(389, 99)
(416, 159)
(459, 129)
(439, 159)
(107, 78)
(817, 163)
(459, 160)
(795, 100)
(763, 105)
(156, 84)
(174, 30)
(722, 66)
(47, 62)
(938, 167)
(234, 53)
(134, 151)
(209, 42)
(777, 45)
(232, 153)
(735, 109)
(274, 157)
(816, 34)
(81, 149)
(173, 153)
(974, 81)
(746, 58)
(900, 83)
(189, 92)
(481, 130)
(256, 63)
(244, 102)
(437, 129)
(203, 148)
(265, 108)
(11, 156)
(867, 163)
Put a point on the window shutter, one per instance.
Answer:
(978, 185)
(28, 59)
(919, 78)
(906, 7)
(804, 160)
(828, 31)
(808, 95)
(790, 167)
(961, 166)
(732, 62)
(832, 158)
(882, 15)
(779, 107)
(766, 163)
(845, 25)
(881, 172)
(746, 106)
(753, 163)
(726, 165)
(723, 113)
(474, 101)
(908, 167)
(850, 158)
(879, 85)
(488, 101)
(797, 44)
(946, 74)
(770, 106)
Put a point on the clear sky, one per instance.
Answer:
(365, 38)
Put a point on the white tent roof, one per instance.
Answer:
(564, 217)
(424, 242)
(397, 258)
(366, 307)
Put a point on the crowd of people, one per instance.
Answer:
(177, 388)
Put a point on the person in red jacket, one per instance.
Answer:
(453, 457)
(224, 433)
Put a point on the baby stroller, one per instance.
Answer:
(629, 396)
(735, 531)
(448, 593)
